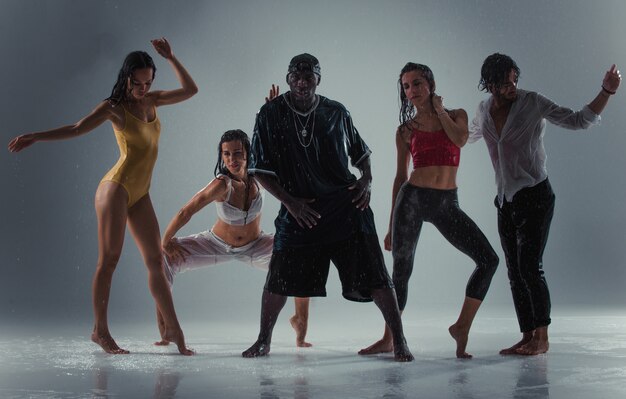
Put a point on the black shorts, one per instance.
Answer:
(302, 272)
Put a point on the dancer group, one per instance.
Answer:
(301, 151)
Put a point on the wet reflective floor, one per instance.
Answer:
(587, 359)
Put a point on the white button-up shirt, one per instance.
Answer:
(517, 154)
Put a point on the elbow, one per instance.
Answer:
(76, 130)
(189, 88)
(400, 180)
(184, 215)
(462, 139)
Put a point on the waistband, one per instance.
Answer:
(428, 190)
(231, 248)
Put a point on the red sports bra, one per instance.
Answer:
(433, 149)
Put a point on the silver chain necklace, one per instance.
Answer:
(303, 133)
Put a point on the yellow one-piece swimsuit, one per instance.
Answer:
(139, 146)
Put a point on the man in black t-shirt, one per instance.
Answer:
(300, 151)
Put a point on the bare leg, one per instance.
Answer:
(111, 211)
(460, 330)
(271, 305)
(161, 325)
(386, 301)
(526, 337)
(300, 321)
(145, 229)
(537, 345)
(384, 345)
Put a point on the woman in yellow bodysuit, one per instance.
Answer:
(122, 196)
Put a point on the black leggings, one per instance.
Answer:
(416, 205)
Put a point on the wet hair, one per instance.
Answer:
(231, 135)
(133, 61)
(495, 70)
(407, 110)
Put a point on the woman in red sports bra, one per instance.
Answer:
(433, 136)
(122, 197)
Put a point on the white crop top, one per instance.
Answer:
(235, 216)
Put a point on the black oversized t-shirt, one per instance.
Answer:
(312, 167)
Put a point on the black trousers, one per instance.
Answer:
(524, 224)
(416, 205)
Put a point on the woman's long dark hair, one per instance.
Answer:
(231, 135)
(407, 110)
(133, 61)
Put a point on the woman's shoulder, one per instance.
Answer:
(221, 181)
(217, 188)
(106, 106)
(112, 112)
(405, 130)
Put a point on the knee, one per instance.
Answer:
(491, 263)
(107, 262)
(402, 267)
(155, 263)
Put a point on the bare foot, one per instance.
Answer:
(513, 349)
(107, 343)
(382, 346)
(460, 335)
(401, 353)
(258, 349)
(179, 339)
(162, 342)
(534, 347)
(301, 327)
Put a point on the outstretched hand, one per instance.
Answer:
(21, 142)
(274, 91)
(363, 192)
(302, 212)
(162, 46)
(612, 79)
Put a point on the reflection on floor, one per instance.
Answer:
(587, 359)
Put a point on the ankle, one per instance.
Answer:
(461, 325)
(541, 334)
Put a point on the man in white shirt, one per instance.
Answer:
(512, 122)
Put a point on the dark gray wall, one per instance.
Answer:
(59, 59)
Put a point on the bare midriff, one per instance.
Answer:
(438, 177)
(237, 236)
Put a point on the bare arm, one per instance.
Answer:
(213, 191)
(455, 126)
(297, 207)
(402, 175)
(610, 84)
(97, 117)
(188, 86)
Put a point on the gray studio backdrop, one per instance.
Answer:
(60, 58)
